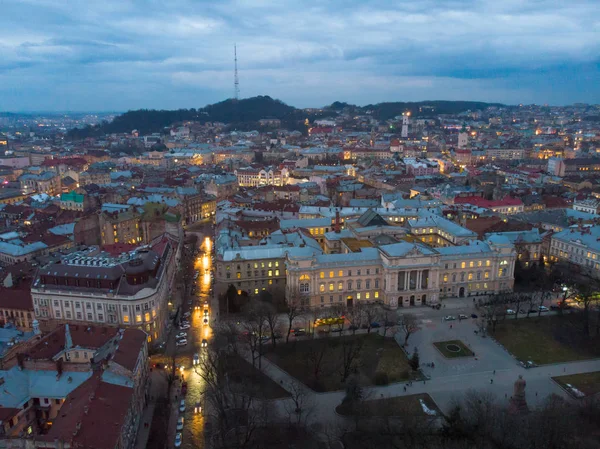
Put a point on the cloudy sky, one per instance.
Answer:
(114, 55)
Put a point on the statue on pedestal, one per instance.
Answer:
(518, 403)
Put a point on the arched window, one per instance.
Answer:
(305, 277)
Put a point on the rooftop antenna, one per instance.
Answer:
(236, 80)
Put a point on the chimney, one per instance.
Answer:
(337, 224)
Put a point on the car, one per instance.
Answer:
(181, 342)
(196, 359)
(337, 329)
(182, 406)
(375, 325)
(206, 304)
(474, 315)
(184, 327)
(543, 308)
(299, 332)
(522, 311)
(187, 314)
(205, 312)
(181, 335)
(204, 343)
(554, 307)
(462, 317)
(510, 312)
(205, 321)
(449, 318)
(179, 423)
(178, 439)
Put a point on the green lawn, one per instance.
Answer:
(587, 383)
(252, 381)
(453, 349)
(388, 407)
(377, 355)
(551, 339)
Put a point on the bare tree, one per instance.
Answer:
(293, 311)
(389, 320)
(316, 355)
(272, 319)
(301, 405)
(355, 316)
(371, 314)
(256, 327)
(408, 323)
(351, 348)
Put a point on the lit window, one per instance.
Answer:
(376, 295)
(276, 263)
(471, 264)
(367, 295)
(340, 285)
(331, 286)
(445, 278)
(256, 291)
(488, 263)
(270, 272)
(322, 274)
(125, 318)
(331, 274)
(340, 273)
(270, 264)
(147, 316)
(239, 275)
(321, 287)
(138, 318)
(463, 265)
(470, 277)
(304, 277)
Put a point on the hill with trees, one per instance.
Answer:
(245, 114)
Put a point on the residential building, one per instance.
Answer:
(588, 205)
(126, 287)
(254, 177)
(120, 227)
(579, 246)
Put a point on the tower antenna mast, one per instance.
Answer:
(236, 80)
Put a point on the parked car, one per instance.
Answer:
(543, 308)
(449, 318)
(205, 320)
(181, 342)
(181, 335)
(474, 315)
(179, 423)
(375, 325)
(462, 317)
(184, 327)
(510, 312)
(204, 343)
(187, 314)
(554, 307)
(182, 406)
(178, 440)
(196, 358)
(298, 332)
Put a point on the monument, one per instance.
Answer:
(518, 403)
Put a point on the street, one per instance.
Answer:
(192, 301)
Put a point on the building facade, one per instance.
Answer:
(127, 290)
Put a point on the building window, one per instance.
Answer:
(100, 317)
(321, 287)
(78, 315)
(340, 285)
(68, 314)
(322, 274)
(463, 264)
(358, 285)
(331, 286)
(304, 288)
(90, 317)
(349, 285)
(331, 274)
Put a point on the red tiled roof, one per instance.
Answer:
(92, 337)
(92, 415)
(18, 298)
(7, 413)
(129, 348)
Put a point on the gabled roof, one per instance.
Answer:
(371, 218)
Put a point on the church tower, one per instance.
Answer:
(463, 138)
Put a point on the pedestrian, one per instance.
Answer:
(405, 388)
(451, 326)
(491, 381)
(494, 372)
(423, 381)
(536, 394)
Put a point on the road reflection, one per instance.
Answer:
(194, 422)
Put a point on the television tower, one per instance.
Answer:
(236, 80)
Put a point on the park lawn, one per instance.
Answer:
(587, 383)
(388, 407)
(551, 339)
(252, 381)
(464, 351)
(378, 354)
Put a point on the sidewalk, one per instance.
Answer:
(155, 391)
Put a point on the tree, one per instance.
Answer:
(351, 348)
(316, 355)
(301, 405)
(272, 319)
(371, 314)
(414, 360)
(408, 323)
(389, 321)
(292, 312)
(355, 316)
(255, 325)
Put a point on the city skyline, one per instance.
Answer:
(115, 56)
